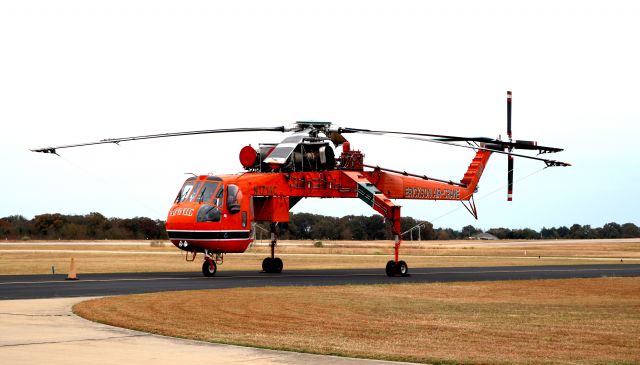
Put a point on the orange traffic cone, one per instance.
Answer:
(72, 271)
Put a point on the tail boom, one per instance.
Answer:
(399, 186)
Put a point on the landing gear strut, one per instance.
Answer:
(273, 264)
(397, 267)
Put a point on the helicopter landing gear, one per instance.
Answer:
(273, 264)
(397, 267)
(210, 264)
(390, 268)
(209, 267)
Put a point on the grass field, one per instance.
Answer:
(577, 321)
(19, 258)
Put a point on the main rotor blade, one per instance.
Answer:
(444, 137)
(546, 161)
(523, 145)
(162, 135)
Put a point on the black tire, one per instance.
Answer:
(277, 265)
(402, 269)
(267, 264)
(209, 270)
(389, 269)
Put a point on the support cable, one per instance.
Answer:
(480, 198)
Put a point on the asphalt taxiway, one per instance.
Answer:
(55, 286)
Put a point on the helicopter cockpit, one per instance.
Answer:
(210, 215)
(206, 197)
(200, 192)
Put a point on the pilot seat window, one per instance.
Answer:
(184, 192)
(194, 191)
(206, 193)
(218, 200)
(234, 198)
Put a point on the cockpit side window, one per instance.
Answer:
(206, 193)
(234, 198)
(184, 192)
(218, 200)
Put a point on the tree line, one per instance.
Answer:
(317, 227)
(92, 226)
(302, 226)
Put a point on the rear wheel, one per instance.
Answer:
(209, 268)
(402, 268)
(389, 268)
(277, 265)
(266, 264)
(272, 265)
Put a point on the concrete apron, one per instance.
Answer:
(45, 331)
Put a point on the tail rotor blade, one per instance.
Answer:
(510, 179)
(509, 115)
(510, 161)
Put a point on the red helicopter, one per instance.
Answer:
(213, 215)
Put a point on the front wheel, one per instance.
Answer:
(209, 268)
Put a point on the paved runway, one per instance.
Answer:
(55, 286)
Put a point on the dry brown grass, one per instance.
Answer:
(578, 321)
(107, 256)
(40, 262)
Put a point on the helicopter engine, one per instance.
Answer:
(313, 157)
(307, 156)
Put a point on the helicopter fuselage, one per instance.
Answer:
(214, 213)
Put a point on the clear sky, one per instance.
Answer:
(76, 71)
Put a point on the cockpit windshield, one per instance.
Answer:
(201, 192)
(185, 191)
(194, 191)
(205, 194)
